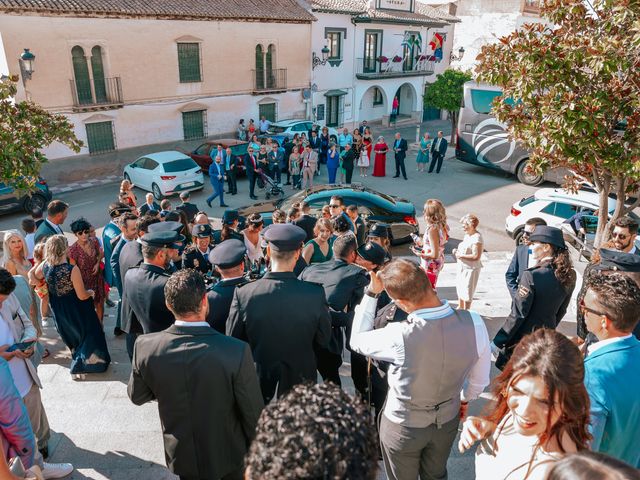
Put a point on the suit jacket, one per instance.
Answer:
(443, 146)
(314, 143)
(43, 232)
(519, 263)
(220, 298)
(402, 148)
(143, 307)
(115, 264)
(216, 170)
(310, 160)
(208, 397)
(307, 223)
(130, 256)
(361, 231)
(145, 208)
(347, 159)
(248, 164)
(343, 285)
(111, 230)
(612, 380)
(282, 318)
(191, 209)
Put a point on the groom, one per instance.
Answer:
(400, 149)
(216, 176)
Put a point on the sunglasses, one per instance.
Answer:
(334, 206)
(526, 234)
(83, 232)
(621, 236)
(584, 309)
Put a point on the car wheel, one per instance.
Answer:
(35, 201)
(157, 193)
(127, 177)
(518, 237)
(526, 177)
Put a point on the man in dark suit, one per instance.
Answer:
(251, 165)
(110, 236)
(205, 385)
(361, 228)
(281, 317)
(348, 162)
(400, 148)
(438, 151)
(306, 221)
(143, 303)
(149, 205)
(344, 284)
(128, 222)
(191, 209)
(230, 170)
(131, 252)
(520, 261)
(57, 212)
(229, 260)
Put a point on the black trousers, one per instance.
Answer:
(348, 174)
(436, 158)
(252, 183)
(400, 166)
(231, 180)
(131, 341)
(329, 365)
(359, 375)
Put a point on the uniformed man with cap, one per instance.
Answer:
(143, 306)
(196, 255)
(544, 292)
(228, 259)
(230, 221)
(281, 317)
(175, 262)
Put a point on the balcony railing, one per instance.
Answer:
(372, 68)
(97, 93)
(269, 80)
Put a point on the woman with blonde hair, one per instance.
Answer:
(14, 254)
(75, 316)
(468, 256)
(320, 248)
(431, 248)
(126, 194)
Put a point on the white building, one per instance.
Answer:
(356, 83)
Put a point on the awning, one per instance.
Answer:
(334, 93)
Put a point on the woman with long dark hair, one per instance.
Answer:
(540, 414)
(544, 292)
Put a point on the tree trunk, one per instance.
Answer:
(454, 125)
(603, 186)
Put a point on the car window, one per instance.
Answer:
(277, 129)
(307, 125)
(179, 165)
(300, 127)
(239, 150)
(202, 149)
(140, 162)
(562, 210)
(150, 164)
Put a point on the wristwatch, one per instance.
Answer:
(369, 293)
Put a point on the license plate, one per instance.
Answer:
(189, 184)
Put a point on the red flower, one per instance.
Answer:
(397, 59)
(383, 59)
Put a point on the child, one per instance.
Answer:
(29, 228)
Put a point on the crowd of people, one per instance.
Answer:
(228, 330)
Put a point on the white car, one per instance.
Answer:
(554, 205)
(165, 173)
(290, 127)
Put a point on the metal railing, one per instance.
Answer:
(97, 92)
(269, 80)
(373, 68)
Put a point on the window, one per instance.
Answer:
(189, 62)
(268, 110)
(409, 51)
(100, 137)
(179, 165)
(239, 150)
(335, 45)
(300, 127)
(202, 149)
(371, 50)
(320, 113)
(194, 124)
(97, 69)
(81, 75)
(150, 164)
(482, 99)
(378, 99)
(562, 210)
(335, 109)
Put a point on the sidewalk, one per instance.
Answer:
(87, 171)
(96, 428)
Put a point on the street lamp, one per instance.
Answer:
(316, 61)
(454, 58)
(27, 59)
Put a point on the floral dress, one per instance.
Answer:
(86, 263)
(433, 266)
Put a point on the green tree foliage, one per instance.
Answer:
(574, 80)
(25, 129)
(446, 94)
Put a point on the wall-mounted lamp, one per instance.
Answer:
(454, 58)
(317, 61)
(27, 61)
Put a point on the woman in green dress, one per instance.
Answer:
(320, 248)
(423, 153)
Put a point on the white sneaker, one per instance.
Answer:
(56, 470)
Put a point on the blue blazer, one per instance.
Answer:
(111, 231)
(214, 171)
(519, 263)
(612, 379)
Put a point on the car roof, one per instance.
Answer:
(288, 123)
(558, 194)
(168, 156)
(226, 142)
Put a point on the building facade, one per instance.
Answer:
(129, 74)
(379, 50)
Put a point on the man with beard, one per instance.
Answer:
(625, 231)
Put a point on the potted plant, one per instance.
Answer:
(382, 59)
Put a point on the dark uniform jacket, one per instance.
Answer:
(343, 285)
(191, 209)
(216, 236)
(192, 257)
(143, 306)
(130, 256)
(519, 263)
(361, 231)
(307, 223)
(111, 231)
(208, 397)
(282, 318)
(220, 298)
(541, 302)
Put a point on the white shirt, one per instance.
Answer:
(531, 262)
(264, 125)
(30, 239)
(54, 226)
(18, 367)
(387, 343)
(182, 323)
(603, 343)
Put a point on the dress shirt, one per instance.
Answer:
(603, 343)
(182, 323)
(531, 262)
(438, 141)
(387, 343)
(54, 226)
(18, 367)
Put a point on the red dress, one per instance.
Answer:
(381, 160)
(85, 263)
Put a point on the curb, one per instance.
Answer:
(77, 186)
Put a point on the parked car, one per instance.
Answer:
(290, 127)
(202, 154)
(279, 139)
(554, 205)
(165, 173)
(373, 206)
(10, 201)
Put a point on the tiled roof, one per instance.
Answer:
(351, 7)
(251, 10)
(436, 12)
(424, 14)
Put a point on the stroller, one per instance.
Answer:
(264, 181)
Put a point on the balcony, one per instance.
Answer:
(97, 94)
(269, 81)
(531, 7)
(373, 69)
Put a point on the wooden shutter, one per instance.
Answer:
(189, 62)
(81, 75)
(100, 137)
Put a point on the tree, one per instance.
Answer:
(25, 129)
(446, 93)
(575, 86)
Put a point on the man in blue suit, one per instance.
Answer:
(110, 234)
(521, 257)
(217, 178)
(612, 376)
